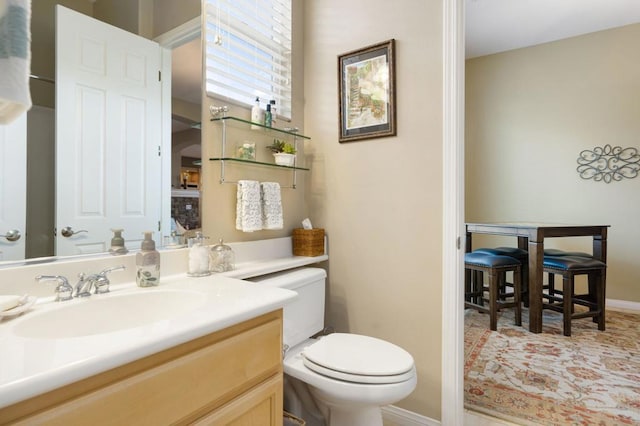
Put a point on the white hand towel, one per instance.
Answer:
(248, 206)
(271, 206)
(15, 59)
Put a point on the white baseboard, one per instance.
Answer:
(401, 417)
(623, 304)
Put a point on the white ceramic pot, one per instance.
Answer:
(284, 159)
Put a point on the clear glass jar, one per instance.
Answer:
(223, 258)
(198, 257)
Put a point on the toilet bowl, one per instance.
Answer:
(349, 376)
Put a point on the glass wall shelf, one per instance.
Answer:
(256, 132)
(257, 163)
(241, 122)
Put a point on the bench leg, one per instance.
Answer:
(567, 303)
(600, 300)
(467, 285)
(517, 287)
(493, 300)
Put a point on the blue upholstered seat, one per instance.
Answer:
(557, 252)
(572, 263)
(564, 301)
(496, 267)
(523, 257)
(516, 252)
(489, 260)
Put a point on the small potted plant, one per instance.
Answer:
(284, 152)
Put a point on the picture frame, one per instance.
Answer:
(366, 91)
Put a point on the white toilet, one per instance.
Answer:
(349, 376)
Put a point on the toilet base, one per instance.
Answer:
(370, 416)
(303, 401)
(346, 414)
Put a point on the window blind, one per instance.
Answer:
(248, 51)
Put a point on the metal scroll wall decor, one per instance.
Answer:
(609, 163)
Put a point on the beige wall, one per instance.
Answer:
(119, 13)
(529, 114)
(168, 14)
(381, 200)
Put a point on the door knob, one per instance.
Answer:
(12, 235)
(68, 231)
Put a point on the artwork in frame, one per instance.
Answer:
(366, 81)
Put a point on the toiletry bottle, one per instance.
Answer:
(272, 102)
(117, 243)
(267, 116)
(257, 114)
(148, 263)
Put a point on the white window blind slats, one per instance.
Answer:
(240, 47)
(258, 69)
(248, 51)
(266, 20)
(245, 81)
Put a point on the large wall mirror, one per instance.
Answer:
(149, 20)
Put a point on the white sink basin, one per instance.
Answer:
(107, 313)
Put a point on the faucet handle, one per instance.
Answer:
(64, 291)
(112, 269)
(102, 282)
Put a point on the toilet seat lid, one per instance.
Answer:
(357, 358)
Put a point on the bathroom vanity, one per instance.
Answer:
(232, 375)
(193, 350)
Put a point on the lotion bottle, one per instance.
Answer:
(148, 263)
(272, 102)
(267, 116)
(257, 114)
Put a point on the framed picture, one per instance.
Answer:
(366, 81)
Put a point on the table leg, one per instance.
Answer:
(600, 247)
(536, 256)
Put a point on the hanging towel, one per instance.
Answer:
(15, 58)
(271, 206)
(248, 206)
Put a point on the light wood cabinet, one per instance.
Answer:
(230, 377)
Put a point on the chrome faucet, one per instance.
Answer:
(99, 282)
(84, 284)
(64, 291)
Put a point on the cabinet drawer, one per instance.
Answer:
(181, 389)
(261, 405)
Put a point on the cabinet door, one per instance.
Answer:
(261, 405)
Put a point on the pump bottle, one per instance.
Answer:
(148, 263)
(257, 115)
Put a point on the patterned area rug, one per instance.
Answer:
(590, 378)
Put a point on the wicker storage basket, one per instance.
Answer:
(308, 242)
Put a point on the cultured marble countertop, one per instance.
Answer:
(31, 366)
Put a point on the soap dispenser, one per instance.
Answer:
(117, 243)
(148, 263)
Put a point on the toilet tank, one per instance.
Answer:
(304, 316)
